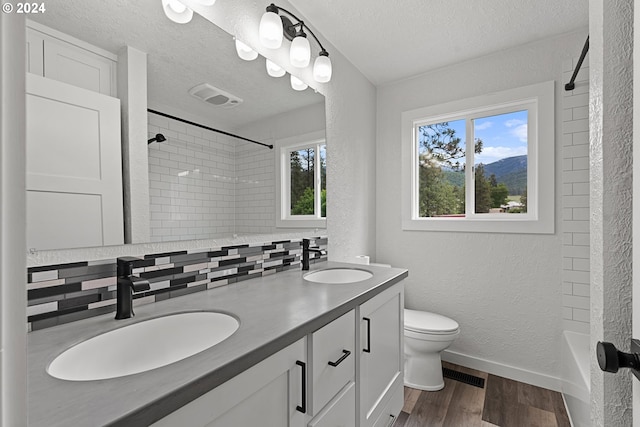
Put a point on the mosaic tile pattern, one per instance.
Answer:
(65, 293)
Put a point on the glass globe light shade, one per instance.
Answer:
(177, 11)
(245, 52)
(297, 84)
(274, 70)
(322, 69)
(300, 53)
(271, 30)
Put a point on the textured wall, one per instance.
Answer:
(611, 117)
(575, 199)
(503, 289)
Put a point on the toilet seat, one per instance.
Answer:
(424, 322)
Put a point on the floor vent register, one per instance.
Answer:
(463, 378)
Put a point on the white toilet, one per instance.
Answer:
(425, 336)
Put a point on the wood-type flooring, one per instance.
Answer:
(502, 402)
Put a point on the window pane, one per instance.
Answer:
(323, 181)
(441, 163)
(501, 163)
(302, 181)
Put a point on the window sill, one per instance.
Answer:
(301, 223)
(485, 225)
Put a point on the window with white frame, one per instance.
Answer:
(482, 164)
(302, 171)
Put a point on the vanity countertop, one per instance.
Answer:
(274, 311)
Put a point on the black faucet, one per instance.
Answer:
(127, 284)
(306, 249)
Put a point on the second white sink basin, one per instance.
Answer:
(143, 346)
(338, 275)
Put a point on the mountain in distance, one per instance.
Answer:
(512, 171)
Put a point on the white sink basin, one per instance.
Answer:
(143, 346)
(338, 275)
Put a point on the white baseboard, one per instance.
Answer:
(502, 370)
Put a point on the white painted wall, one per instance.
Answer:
(132, 91)
(503, 289)
(256, 166)
(611, 162)
(13, 298)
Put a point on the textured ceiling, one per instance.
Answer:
(388, 40)
(179, 57)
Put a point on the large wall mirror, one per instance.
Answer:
(202, 184)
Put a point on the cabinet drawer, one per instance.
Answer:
(340, 412)
(335, 344)
(392, 409)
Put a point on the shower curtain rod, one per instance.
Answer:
(571, 85)
(208, 128)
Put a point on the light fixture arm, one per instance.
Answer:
(273, 8)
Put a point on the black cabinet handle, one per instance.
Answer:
(368, 349)
(303, 408)
(345, 354)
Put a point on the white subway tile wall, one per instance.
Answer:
(205, 185)
(575, 199)
(255, 188)
(192, 182)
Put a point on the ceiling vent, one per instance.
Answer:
(214, 96)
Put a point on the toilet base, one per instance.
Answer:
(424, 372)
(425, 388)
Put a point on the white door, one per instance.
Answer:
(74, 167)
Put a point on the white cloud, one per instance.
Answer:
(520, 132)
(514, 122)
(493, 154)
(483, 126)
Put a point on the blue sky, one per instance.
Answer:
(503, 136)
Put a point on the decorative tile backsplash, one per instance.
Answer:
(65, 293)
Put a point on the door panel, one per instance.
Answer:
(74, 167)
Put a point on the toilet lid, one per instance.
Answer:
(423, 321)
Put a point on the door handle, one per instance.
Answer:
(345, 354)
(303, 408)
(368, 349)
(610, 359)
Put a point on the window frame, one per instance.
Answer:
(539, 101)
(283, 147)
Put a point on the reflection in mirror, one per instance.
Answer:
(202, 184)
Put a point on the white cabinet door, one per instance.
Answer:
(267, 394)
(381, 353)
(333, 359)
(60, 57)
(70, 64)
(74, 167)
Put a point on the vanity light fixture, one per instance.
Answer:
(297, 84)
(245, 52)
(274, 70)
(273, 27)
(178, 12)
